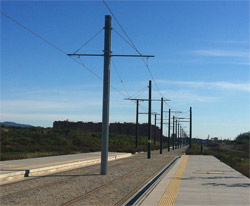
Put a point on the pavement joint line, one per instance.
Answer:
(171, 192)
(208, 172)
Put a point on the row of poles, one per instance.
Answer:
(178, 134)
(106, 97)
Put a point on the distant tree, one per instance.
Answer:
(243, 138)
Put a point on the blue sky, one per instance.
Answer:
(201, 60)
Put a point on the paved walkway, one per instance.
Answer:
(201, 180)
(17, 169)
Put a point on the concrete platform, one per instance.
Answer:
(19, 169)
(200, 180)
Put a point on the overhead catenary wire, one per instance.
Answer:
(143, 59)
(144, 108)
(58, 49)
(135, 95)
(95, 74)
(186, 112)
(81, 63)
(133, 46)
(107, 6)
(37, 35)
(141, 106)
(123, 38)
(139, 93)
(170, 106)
(74, 59)
(119, 76)
(89, 40)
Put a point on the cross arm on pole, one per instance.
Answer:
(112, 55)
(176, 112)
(146, 99)
(128, 55)
(152, 113)
(91, 55)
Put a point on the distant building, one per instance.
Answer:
(117, 128)
(214, 139)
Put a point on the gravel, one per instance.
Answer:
(57, 189)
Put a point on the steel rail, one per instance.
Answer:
(102, 186)
(120, 178)
(131, 193)
(47, 184)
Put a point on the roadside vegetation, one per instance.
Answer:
(233, 153)
(30, 142)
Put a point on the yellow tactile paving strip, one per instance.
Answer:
(169, 196)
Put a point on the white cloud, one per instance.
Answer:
(242, 63)
(186, 97)
(35, 105)
(233, 42)
(48, 118)
(227, 42)
(220, 53)
(212, 85)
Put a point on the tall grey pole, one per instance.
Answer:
(190, 129)
(169, 126)
(106, 95)
(155, 129)
(173, 134)
(176, 132)
(149, 120)
(161, 125)
(136, 127)
(185, 138)
(179, 135)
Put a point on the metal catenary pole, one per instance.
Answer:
(137, 111)
(182, 137)
(136, 127)
(106, 88)
(149, 120)
(190, 129)
(169, 125)
(179, 145)
(161, 141)
(176, 133)
(155, 129)
(173, 134)
(106, 94)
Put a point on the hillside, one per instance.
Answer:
(14, 124)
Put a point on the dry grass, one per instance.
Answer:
(236, 156)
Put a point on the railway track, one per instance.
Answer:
(47, 184)
(128, 195)
(135, 178)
